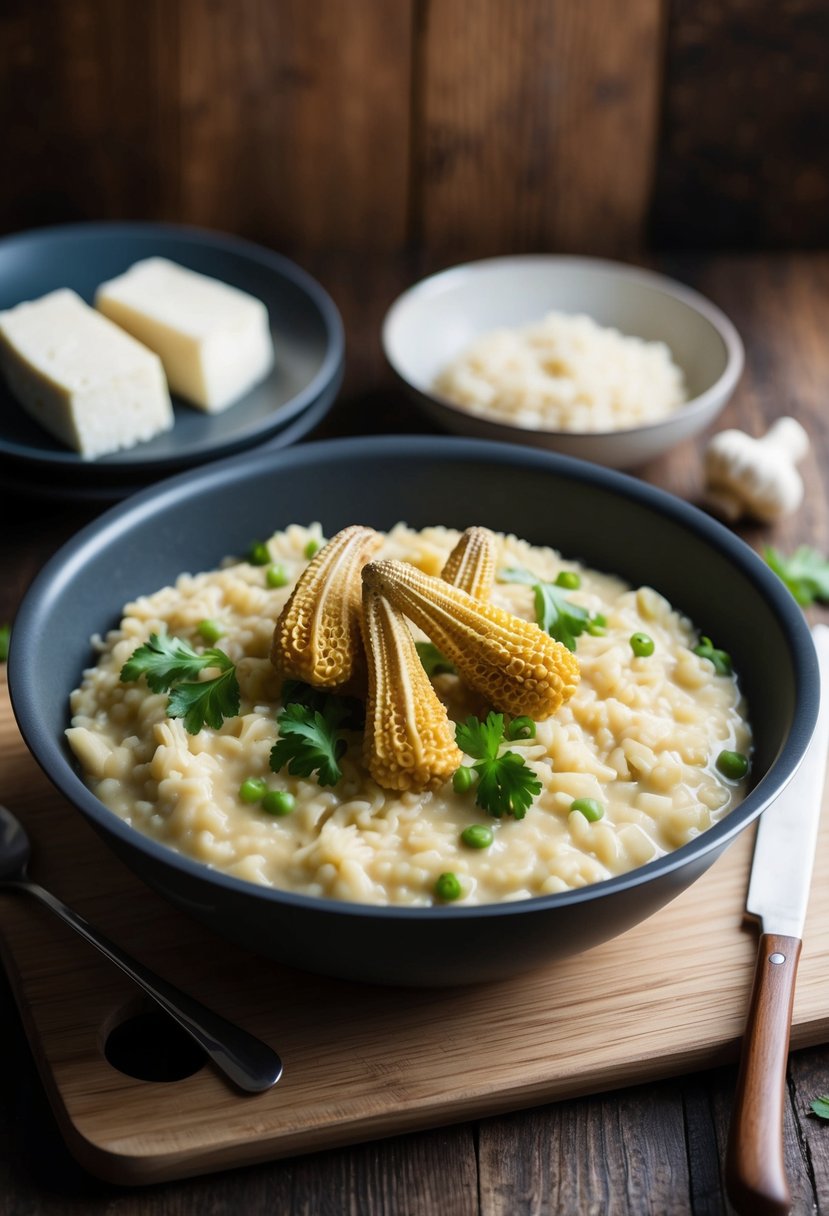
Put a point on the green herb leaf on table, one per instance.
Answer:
(506, 784)
(5, 638)
(720, 658)
(805, 573)
(820, 1106)
(311, 741)
(554, 612)
(434, 661)
(171, 665)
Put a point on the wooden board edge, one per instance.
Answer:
(118, 1166)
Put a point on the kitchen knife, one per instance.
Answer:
(777, 897)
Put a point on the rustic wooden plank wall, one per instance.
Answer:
(536, 124)
(744, 159)
(465, 127)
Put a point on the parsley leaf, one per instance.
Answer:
(720, 658)
(171, 665)
(506, 784)
(805, 573)
(165, 661)
(311, 740)
(5, 638)
(478, 739)
(554, 612)
(516, 574)
(820, 1106)
(434, 661)
(205, 702)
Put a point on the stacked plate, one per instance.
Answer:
(307, 335)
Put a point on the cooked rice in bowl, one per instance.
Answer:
(565, 373)
(640, 736)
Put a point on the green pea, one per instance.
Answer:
(462, 779)
(277, 576)
(252, 789)
(278, 802)
(448, 887)
(314, 545)
(210, 630)
(568, 579)
(589, 807)
(520, 728)
(733, 765)
(597, 625)
(641, 645)
(259, 554)
(477, 836)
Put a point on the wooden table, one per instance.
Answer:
(653, 1149)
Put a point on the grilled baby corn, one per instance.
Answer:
(317, 636)
(514, 664)
(409, 742)
(471, 564)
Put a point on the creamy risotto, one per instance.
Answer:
(565, 373)
(640, 737)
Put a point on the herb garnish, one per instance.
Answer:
(5, 638)
(171, 665)
(311, 726)
(805, 573)
(720, 658)
(820, 1106)
(434, 661)
(506, 784)
(554, 612)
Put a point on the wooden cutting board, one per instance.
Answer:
(360, 1062)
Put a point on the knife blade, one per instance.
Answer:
(778, 895)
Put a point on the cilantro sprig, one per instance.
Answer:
(820, 1106)
(172, 665)
(805, 573)
(554, 612)
(506, 784)
(311, 732)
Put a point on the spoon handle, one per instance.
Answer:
(246, 1060)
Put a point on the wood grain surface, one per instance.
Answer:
(744, 156)
(259, 119)
(653, 1148)
(535, 125)
(466, 127)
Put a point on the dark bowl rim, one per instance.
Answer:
(721, 324)
(66, 562)
(330, 368)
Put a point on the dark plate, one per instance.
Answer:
(306, 327)
(613, 522)
(56, 486)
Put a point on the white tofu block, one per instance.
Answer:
(80, 377)
(214, 340)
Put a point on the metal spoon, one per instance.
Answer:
(247, 1061)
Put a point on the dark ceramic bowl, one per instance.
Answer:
(611, 521)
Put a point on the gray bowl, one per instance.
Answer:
(434, 321)
(607, 519)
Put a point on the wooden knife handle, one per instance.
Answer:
(755, 1174)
